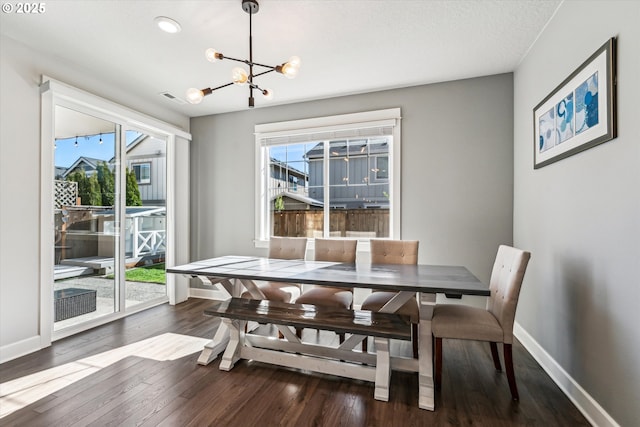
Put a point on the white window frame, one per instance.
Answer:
(379, 179)
(378, 118)
(140, 165)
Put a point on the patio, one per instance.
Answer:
(136, 293)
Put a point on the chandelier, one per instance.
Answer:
(239, 75)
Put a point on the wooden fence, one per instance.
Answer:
(342, 223)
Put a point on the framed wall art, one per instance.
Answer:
(580, 112)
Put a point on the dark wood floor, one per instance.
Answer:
(144, 391)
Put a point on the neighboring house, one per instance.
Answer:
(60, 172)
(359, 174)
(292, 185)
(87, 164)
(286, 177)
(296, 201)
(146, 156)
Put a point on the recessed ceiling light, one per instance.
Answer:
(167, 25)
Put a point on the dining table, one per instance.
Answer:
(235, 274)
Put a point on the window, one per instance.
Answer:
(143, 172)
(382, 168)
(329, 177)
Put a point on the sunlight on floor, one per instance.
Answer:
(18, 393)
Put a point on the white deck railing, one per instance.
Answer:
(147, 242)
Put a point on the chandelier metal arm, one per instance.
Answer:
(264, 72)
(249, 63)
(240, 76)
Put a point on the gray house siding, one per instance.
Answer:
(154, 192)
(355, 180)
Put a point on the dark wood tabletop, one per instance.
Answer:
(451, 280)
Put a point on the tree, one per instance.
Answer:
(279, 203)
(107, 183)
(95, 197)
(88, 188)
(99, 188)
(133, 192)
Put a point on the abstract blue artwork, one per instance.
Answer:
(580, 112)
(564, 118)
(587, 104)
(547, 131)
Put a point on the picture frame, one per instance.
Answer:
(580, 112)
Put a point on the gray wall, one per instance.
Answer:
(20, 71)
(457, 169)
(580, 216)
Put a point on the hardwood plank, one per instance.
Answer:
(151, 391)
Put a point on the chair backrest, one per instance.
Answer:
(287, 247)
(506, 281)
(336, 250)
(394, 251)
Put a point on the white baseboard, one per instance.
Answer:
(208, 294)
(20, 348)
(589, 407)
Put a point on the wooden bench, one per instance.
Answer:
(341, 361)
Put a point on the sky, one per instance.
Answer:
(67, 152)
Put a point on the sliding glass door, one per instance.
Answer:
(109, 218)
(145, 222)
(86, 199)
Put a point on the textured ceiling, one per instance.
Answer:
(346, 46)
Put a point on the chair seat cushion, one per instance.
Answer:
(466, 323)
(276, 291)
(376, 300)
(327, 296)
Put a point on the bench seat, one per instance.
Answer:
(337, 319)
(342, 361)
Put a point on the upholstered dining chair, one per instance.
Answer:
(493, 324)
(335, 250)
(282, 248)
(394, 252)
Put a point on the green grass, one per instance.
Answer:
(148, 274)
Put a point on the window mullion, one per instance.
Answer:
(325, 184)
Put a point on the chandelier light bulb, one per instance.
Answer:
(194, 96)
(289, 71)
(267, 93)
(295, 61)
(239, 76)
(212, 55)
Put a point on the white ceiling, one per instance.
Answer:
(346, 46)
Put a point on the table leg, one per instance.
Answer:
(221, 338)
(425, 353)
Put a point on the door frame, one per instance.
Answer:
(55, 93)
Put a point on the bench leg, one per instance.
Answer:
(287, 333)
(236, 341)
(425, 362)
(383, 369)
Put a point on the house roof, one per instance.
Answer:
(91, 161)
(354, 148)
(299, 198)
